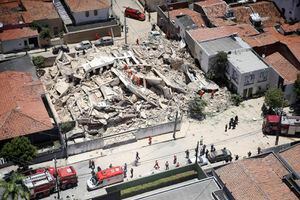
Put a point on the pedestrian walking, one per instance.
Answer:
(92, 164)
(150, 140)
(249, 153)
(149, 16)
(175, 159)
(226, 128)
(110, 165)
(187, 154)
(156, 166)
(177, 164)
(131, 173)
(137, 157)
(211, 148)
(233, 125)
(258, 150)
(98, 168)
(201, 140)
(167, 165)
(236, 157)
(125, 167)
(230, 159)
(137, 41)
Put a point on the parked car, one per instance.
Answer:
(84, 45)
(154, 34)
(202, 160)
(63, 48)
(219, 155)
(134, 14)
(105, 41)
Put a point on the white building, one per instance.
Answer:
(247, 72)
(86, 11)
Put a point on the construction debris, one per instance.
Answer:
(113, 89)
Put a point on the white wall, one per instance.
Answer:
(80, 17)
(290, 7)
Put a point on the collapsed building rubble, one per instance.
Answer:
(112, 89)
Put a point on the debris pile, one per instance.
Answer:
(114, 89)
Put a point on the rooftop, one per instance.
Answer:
(38, 10)
(226, 44)
(292, 156)
(18, 33)
(282, 66)
(19, 95)
(288, 28)
(195, 16)
(246, 61)
(188, 190)
(223, 31)
(86, 5)
(11, 18)
(256, 178)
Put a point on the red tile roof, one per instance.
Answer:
(206, 3)
(18, 33)
(11, 18)
(87, 5)
(266, 10)
(256, 179)
(292, 156)
(260, 40)
(39, 10)
(196, 17)
(282, 66)
(223, 31)
(287, 28)
(22, 110)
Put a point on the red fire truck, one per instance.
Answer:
(43, 181)
(287, 125)
(105, 177)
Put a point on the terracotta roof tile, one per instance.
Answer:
(13, 34)
(86, 5)
(205, 3)
(38, 10)
(196, 17)
(260, 40)
(287, 28)
(282, 66)
(22, 110)
(256, 179)
(11, 18)
(223, 31)
(292, 156)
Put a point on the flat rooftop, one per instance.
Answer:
(188, 190)
(225, 44)
(246, 61)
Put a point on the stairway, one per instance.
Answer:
(62, 12)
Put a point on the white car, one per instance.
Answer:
(93, 184)
(202, 160)
(84, 45)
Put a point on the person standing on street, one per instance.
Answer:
(175, 159)
(167, 165)
(150, 140)
(137, 157)
(156, 166)
(187, 154)
(258, 150)
(131, 173)
(226, 128)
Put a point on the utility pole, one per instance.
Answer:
(126, 29)
(196, 151)
(174, 132)
(56, 179)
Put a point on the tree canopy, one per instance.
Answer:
(196, 107)
(13, 189)
(219, 65)
(20, 151)
(274, 98)
(297, 86)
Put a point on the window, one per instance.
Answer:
(263, 76)
(95, 12)
(87, 14)
(235, 76)
(249, 79)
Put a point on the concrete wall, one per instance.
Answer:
(89, 145)
(289, 8)
(81, 18)
(90, 34)
(157, 130)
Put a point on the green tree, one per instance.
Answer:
(196, 107)
(219, 65)
(38, 61)
(13, 189)
(20, 151)
(297, 86)
(45, 33)
(274, 98)
(236, 99)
